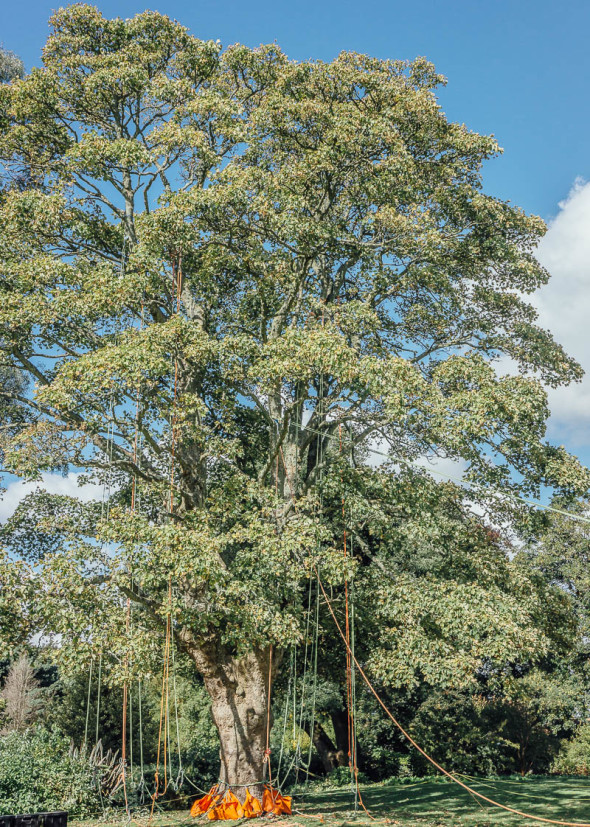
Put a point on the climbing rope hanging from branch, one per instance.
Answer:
(164, 723)
(416, 746)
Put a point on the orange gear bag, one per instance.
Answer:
(229, 808)
(274, 802)
(202, 805)
(252, 806)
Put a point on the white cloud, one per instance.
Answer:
(54, 484)
(443, 468)
(564, 308)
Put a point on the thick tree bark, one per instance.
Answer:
(238, 688)
(340, 723)
(330, 756)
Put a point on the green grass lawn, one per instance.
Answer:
(440, 802)
(427, 803)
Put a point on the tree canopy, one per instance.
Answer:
(229, 276)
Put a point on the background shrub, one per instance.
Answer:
(574, 756)
(39, 772)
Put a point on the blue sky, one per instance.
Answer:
(518, 69)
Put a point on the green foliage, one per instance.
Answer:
(70, 707)
(493, 735)
(443, 597)
(574, 755)
(17, 621)
(11, 66)
(218, 265)
(462, 733)
(38, 772)
(199, 740)
(558, 548)
(341, 777)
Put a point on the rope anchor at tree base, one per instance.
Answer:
(218, 807)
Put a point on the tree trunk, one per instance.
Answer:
(238, 688)
(341, 732)
(330, 756)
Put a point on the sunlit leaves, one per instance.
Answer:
(215, 263)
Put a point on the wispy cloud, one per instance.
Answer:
(443, 469)
(54, 484)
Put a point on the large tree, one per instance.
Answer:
(223, 263)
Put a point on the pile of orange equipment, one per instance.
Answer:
(219, 807)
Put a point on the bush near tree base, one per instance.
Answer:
(39, 772)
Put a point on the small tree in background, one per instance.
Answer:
(11, 66)
(20, 695)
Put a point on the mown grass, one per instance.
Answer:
(425, 803)
(440, 802)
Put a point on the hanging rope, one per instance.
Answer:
(88, 702)
(315, 682)
(428, 757)
(140, 713)
(266, 770)
(156, 792)
(98, 688)
(349, 720)
(124, 724)
(296, 760)
(180, 775)
(285, 716)
(127, 699)
(304, 686)
(351, 730)
(130, 693)
(164, 725)
(104, 513)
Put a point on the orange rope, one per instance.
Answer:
(268, 694)
(352, 756)
(124, 726)
(164, 699)
(135, 436)
(351, 724)
(425, 754)
(416, 746)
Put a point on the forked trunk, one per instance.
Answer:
(329, 754)
(238, 690)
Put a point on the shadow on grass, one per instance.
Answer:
(427, 803)
(440, 802)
